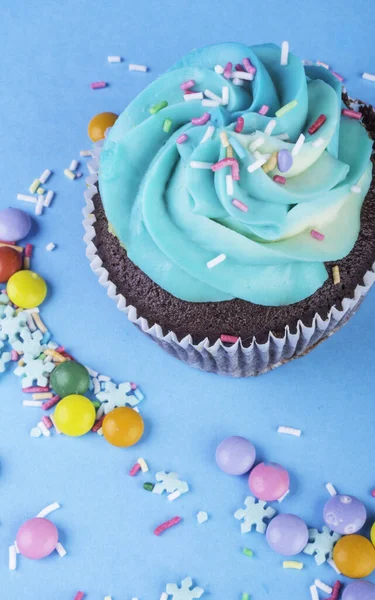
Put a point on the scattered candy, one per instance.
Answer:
(336, 591)
(135, 469)
(317, 235)
(323, 586)
(284, 160)
(238, 204)
(330, 489)
(317, 124)
(229, 339)
(70, 378)
(34, 186)
(336, 274)
(97, 85)
(298, 145)
(216, 261)
(37, 538)
(12, 558)
(286, 108)
(248, 552)
(293, 564)
(257, 164)
(114, 59)
(135, 67)
(158, 107)
(235, 455)
(239, 125)
(198, 164)
(112, 396)
(359, 590)
(271, 163)
(314, 592)
(169, 482)
(69, 174)
(74, 415)
(289, 431)
(352, 114)
(182, 138)
(79, 596)
(368, 76)
(321, 544)
(15, 224)
(287, 534)
(10, 263)
(354, 556)
(45, 176)
(26, 198)
(26, 289)
(202, 517)
(254, 514)
(34, 371)
(269, 482)
(344, 514)
(48, 198)
(270, 127)
(143, 465)
(167, 525)
(264, 109)
(122, 427)
(193, 96)
(185, 592)
(51, 246)
(284, 53)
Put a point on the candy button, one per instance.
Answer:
(68, 378)
(269, 481)
(235, 455)
(74, 415)
(287, 535)
(37, 538)
(354, 556)
(359, 590)
(99, 124)
(123, 427)
(15, 224)
(344, 514)
(372, 534)
(10, 263)
(284, 160)
(26, 289)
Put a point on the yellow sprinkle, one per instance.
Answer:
(21, 363)
(68, 173)
(224, 139)
(229, 151)
(39, 323)
(26, 262)
(286, 108)
(271, 163)
(336, 274)
(56, 355)
(34, 186)
(292, 564)
(40, 190)
(142, 463)
(42, 396)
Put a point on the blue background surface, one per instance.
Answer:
(50, 54)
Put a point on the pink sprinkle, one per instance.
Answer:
(97, 85)
(318, 236)
(264, 110)
(228, 162)
(97, 425)
(240, 205)
(189, 92)
(230, 339)
(35, 389)
(317, 124)
(133, 386)
(60, 349)
(50, 403)
(279, 179)
(337, 75)
(134, 470)
(159, 530)
(201, 120)
(29, 250)
(79, 596)
(353, 114)
(187, 84)
(336, 591)
(14, 356)
(248, 66)
(182, 138)
(239, 67)
(239, 125)
(47, 422)
(373, 493)
(228, 70)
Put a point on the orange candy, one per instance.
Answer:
(123, 427)
(354, 556)
(99, 124)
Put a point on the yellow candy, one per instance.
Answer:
(74, 415)
(354, 556)
(372, 534)
(26, 289)
(99, 124)
(271, 163)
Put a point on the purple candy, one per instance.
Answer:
(15, 224)
(287, 535)
(344, 514)
(359, 590)
(284, 160)
(235, 455)
(37, 538)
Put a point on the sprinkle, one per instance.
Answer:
(245, 596)
(35, 389)
(164, 596)
(98, 424)
(284, 53)
(211, 103)
(317, 124)
(356, 189)
(148, 486)
(47, 422)
(242, 75)
(229, 152)
(35, 432)
(187, 84)
(157, 107)
(13, 356)
(225, 95)
(283, 497)
(238, 81)
(335, 591)
(38, 322)
(182, 138)
(143, 465)
(73, 165)
(229, 339)
(368, 76)
(239, 67)
(298, 145)
(43, 429)
(318, 143)
(256, 144)
(264, 109)
(68, 173)
(48, 199)
(212, 96)
(323, 586)
(164, 526)
(198, 164)
(104, 378)
(322, 64)
(202, 517)
(208, 135)
(314, 592)
(47, 405)
(292, 564)
(50, 246)
(135, 469)
(47, 510)
(336, 274)
(29, 250)
(60, 550)
(257, 164)
(34, 186)
(79, 596)
(12, 558)
(240, 205)
(219, 69)
(167, 125)
(40, 191)
(85, 153)
(248, 66)
(228, 70)
(36, 403)
(201, 120)
(239, 125)
(97, 85)
(229, 184)
(26, 198)
(331, 563)
(228, 162)
(289, 431)
(216, 261)
(224, 139)
(135, 67)
(270, 127)
(351, 113)
(271, 162)
(174, 495)
(194, 96)
(248, 552)
(237, 147)
(330, 489)
(42, 396)
(286, 108)
(337, 75)
(114, 59)
(282, 136)
(39, 206)
(279, 179)
(317, 235)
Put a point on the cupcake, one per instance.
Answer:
(233, 215)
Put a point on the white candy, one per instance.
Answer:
(50, 246)
(216, 261)
(48, 509)
(12, 558)
(284, 53)
(330, 489)
(202, 517)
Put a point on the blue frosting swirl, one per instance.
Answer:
(173, 218)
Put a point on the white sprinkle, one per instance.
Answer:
(322, 64)
(135, 67)
(219, 69)
(332, 564)
(114, 59)
(164, 596)
(323, 586)
(197, 164)
(39, 205)
(283, 497)
(174, 495)
(35, 432)
(284, 53)
(318, 143)
(289, 431)
(96, 385)
(85, 153)
(225, 95)
(45, 175)
(256, 144)
(92, 372)
(229, 184)
(238, 81)
(314, 593)
(36, 403)
(47, 510)
(282, 136)
(257, 164)
(60, 550)
(27, 198)
(12, 558)
(330, 489)
(44, 429)
(211, 103)
(355, 189)
(242, 75)
(298, 145)
(54, 424)
(50, 246)
(212, 96)
(202, 517)
(208, 135)
(194, 96)
(143, 465)
(104, 378)
(16, 547)
(216, 261)
(270, 127)
(48, 199)
(368, 76)
(259, 155)
(73, 165)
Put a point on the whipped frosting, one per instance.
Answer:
(175, 209)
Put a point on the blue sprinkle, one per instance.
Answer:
(46, 338)
(237, 147)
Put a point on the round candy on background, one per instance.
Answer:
(372, 534)
(344, 514)
(235, 455)
(37, 538)
(269, 481)
(359, 590)
(284, 160)
(75, 415)
(26, 289)
(123, 427)
(68, 378)
(287, 535)
(99, 124)
(354, 556)
(10, 263)
(15, 224)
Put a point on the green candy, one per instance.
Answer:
(69, 377)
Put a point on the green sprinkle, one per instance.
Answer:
(248, 552)
(167, 125)
(286, 108)
(34, 186)
(96, 403)
(148, 486)
(155, 109)
(42, 357)
(245, 596)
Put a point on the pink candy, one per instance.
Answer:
(97, 85)
(228, 162)
(201, 120)
(317, 235)
(187, 84)
(182, 138)
(37, 538)
(240, 205)
(269, 482)
(248, 66)
(351, 113)
(228, 70)
(264, 109)
(239, 125)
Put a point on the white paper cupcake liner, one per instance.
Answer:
(236, 360)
